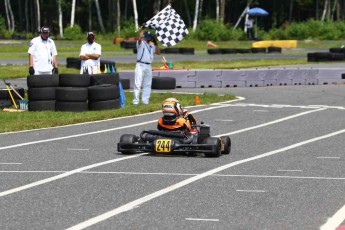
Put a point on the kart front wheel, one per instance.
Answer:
(216, 142)
(226, 144)
(128, 138)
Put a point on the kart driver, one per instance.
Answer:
(175, 118)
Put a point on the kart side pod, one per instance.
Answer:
(204, 133)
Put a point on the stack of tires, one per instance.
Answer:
(72, 93)
(41, 92)
(104, 92)
(5, 98)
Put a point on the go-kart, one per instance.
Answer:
(174, 142)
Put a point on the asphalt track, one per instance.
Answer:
(285, 171)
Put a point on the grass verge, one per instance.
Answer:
(16, 121)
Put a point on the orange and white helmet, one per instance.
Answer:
(171, 107)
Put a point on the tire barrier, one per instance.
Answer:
(100, 79)
(104, 105)
(68, 106)
(72, 92)
(103, 92)
(172, 50)
(42, 105)
(4, 103)
(258, 50)
(214, 51)
(42, 92)
(128, 44)
(105, 96)
(4, 95)
(73, 62)
(125, 83)
(274, 49)
(163, 83)
(337, 50)
(74, 80)
(184, 50)
(325, 56)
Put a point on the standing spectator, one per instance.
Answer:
(249, 23)
(90, 54)
(146, 47)
(42, 54)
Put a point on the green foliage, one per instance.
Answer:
(216, 31)
(2, 25)
(73, 33)
(128, 28)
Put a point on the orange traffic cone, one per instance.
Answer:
(209, 43)
(197, 100)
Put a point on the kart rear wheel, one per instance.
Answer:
(216, 142)
(227, 144)
(128, 138)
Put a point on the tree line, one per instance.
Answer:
(108, 16)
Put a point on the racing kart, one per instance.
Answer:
(174, 142)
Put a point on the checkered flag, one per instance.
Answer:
(170, 28)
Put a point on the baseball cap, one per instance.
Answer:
(45, 29)
(147, 35)
(89, 34)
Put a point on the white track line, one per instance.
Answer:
(271, 122)
(66, 174)
(250, 191)
(137, 202)
(200, 219)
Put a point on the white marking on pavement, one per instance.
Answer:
(66, 174)
(260, 110)
(271, 122)
(199, 219)
(10, 163)
(289, 170)
(132, 204)
(222, 120)
(250, 191)
(328, 157)
(77, 149)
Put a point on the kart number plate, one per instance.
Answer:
(163, 145)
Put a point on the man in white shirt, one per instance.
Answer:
(42, 54)
(249, 23)
(146, 47)
(90, 54)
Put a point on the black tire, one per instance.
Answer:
(183, 50)
(228, 51)
(258, 50)
(216, 142)
(128, 44)
(6, 96)
(243, 51)
(4, 103)
(227, 144)
(172, 50)
(103, 92)
(274, 49)
(105, 105)
(100, 79)
(42, 94)
(337, 50)
(71, 94)
(163, 83)
(71, 106)
(73, 62)
(38, 81)
(125, 83)
(41, 105)
(129, 139)
(214, 51)
(74, 80)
